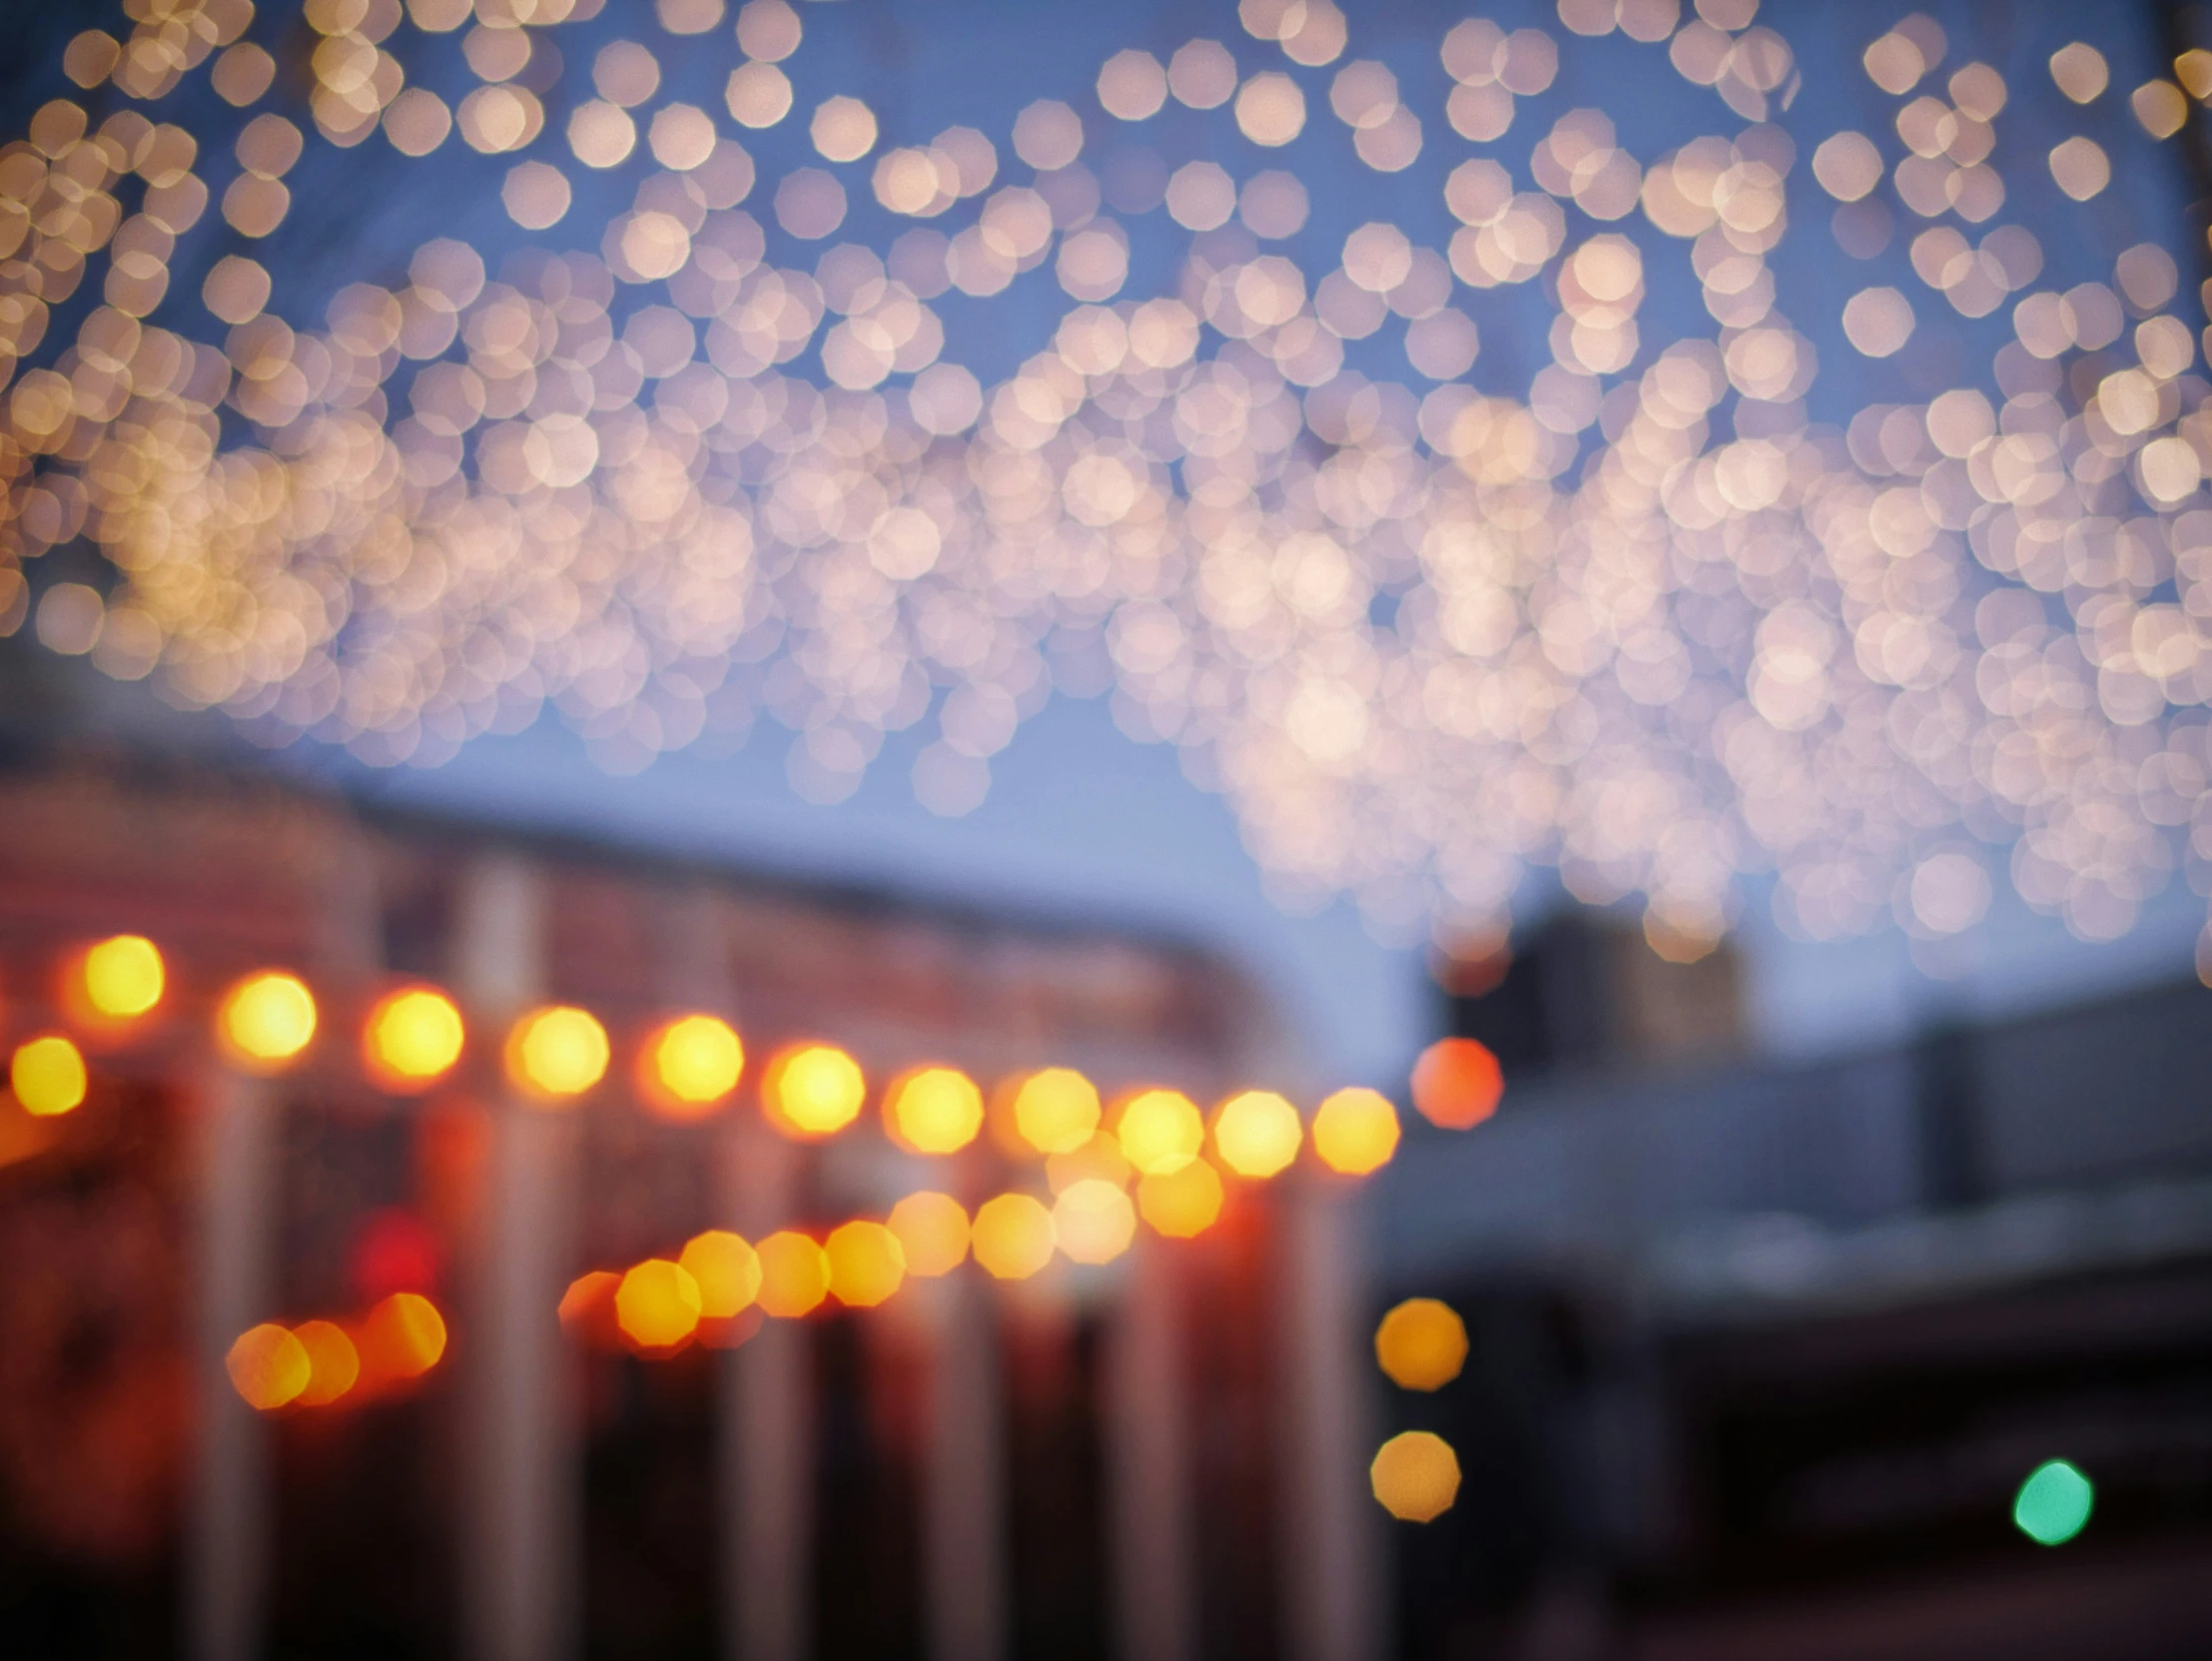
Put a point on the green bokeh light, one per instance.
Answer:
(2054, 1503)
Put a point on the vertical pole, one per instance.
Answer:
(1149, 1467)
(964, 1544)
(518, 1554)
(229, 1546)
(1331, 1546)
(767, 1450)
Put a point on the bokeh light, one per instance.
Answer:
(726, 1270)
(1012, 1235)
(813, 1090)
(48, 1075)
(1421, 1344)
(412, 1037)
(587, 1308)
(690, 1067)
(1161, 1131)
(1094, 1220)
(933, 1232)
(867, 1263)
(657, 1304)
(1257, 1132)
(333, 1365)
(1181, 1203)
(1415, 1476)
(402, 1336)
(1056, 1110)
(794, 1275)
(266, 1020)
(934, 1110)
(2054, 1503)
(269, 1367)
(1457, 1084)
(122, 978)
(557, 1054)
(1355, 1131)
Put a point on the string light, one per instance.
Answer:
(813, 1090)
(691, 1066)
(557, 1054)
(412, 1037)
(267, 1019)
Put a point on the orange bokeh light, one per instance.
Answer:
(587, 1308)
(1421, 1344)
(931, 1230)
(794, 1275)
(690, 1066)
(269, 1367)
(1161, 1131)
(934, 1110)
(1355, 1131)
(266, 1020)
(1183, 1203)
(657, 1304)
(1012, 1235)
(1457, 1084)
(867, 1263)
(1257, 1134)
(411, 1039)
(403, 1336)
(813, 1090)
(1056, 1111)
(1415, 1476)
(333, 1363)
(727, 1271)
(557, 1054)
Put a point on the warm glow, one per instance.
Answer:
(931, 1230)
(587, 1308)
(1415, 1476)
(1056, 1109)
(691, 1066)
(1421, 1344)
(412, 1037)
(333, 1363)
(657, 1304)
(794, 1275)
(934, 1110)
(813, 1090)
(1161, 1131)
(557, 1054)
(1456, 1084)
(1094, 1220)
(1181, 1203)
(48, 1075)
(867, 1263)
(402, 1337)
(123, 978)
(1356, 1130)
(726, 1270)
(1013, 1235)
(266, 1020)
(1257, 1134)
(269, 1367)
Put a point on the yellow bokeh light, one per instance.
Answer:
(1161, 1131)
(48, 1075)
(266, 1020)
(1257, 1134)
(333, 1363)
(813, 1090)
(867, 1263)
(794, 1275)
(726, 1270)
(412, 1037)
(691, 1066)
(1356, 1130)
(557, 1054)
(1415, 1476)
(1013, 1235)
(931, 1230)
(123, 978)
(1181, 1203)
(1094, 1220)
(1421, 1344)
(1056, 1109)
(934, 1110)
(657, 1306)
(269, 1367)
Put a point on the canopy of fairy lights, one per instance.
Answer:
(1675, 447)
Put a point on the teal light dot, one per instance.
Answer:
(2054, 1503)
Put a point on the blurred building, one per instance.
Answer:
(1155, 1458)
